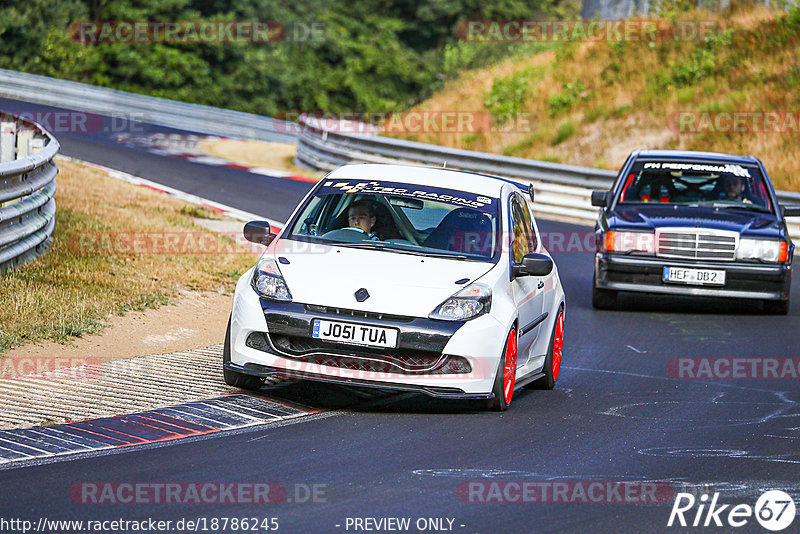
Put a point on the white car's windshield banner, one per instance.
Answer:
(736, 170)
(422, 192)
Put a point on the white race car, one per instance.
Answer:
(404, 278)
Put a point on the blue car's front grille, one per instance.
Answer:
(696, 245)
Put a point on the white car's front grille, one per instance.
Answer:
(696, 244)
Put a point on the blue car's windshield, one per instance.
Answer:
(715, 184)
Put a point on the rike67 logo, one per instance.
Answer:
(774, 510)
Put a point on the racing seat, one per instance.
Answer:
(463, 230)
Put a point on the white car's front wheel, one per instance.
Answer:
(232, 378)
(506, 374)
(552, 363)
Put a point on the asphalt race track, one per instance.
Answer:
(632, 409)
(238, 189)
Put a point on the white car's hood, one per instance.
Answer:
(398, 284)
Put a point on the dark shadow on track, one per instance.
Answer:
(322, 396)
(700, 305)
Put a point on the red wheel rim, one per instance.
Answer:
(558, 345)
(510, 366)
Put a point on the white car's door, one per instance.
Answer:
(528, 291)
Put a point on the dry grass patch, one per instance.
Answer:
(81, 281)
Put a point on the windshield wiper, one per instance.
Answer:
(747, 207)
(440, 255)
(371, 244)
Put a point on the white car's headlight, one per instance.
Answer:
(268, 281)
(472, 301)
(762, 249)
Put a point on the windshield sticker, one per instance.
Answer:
(736, 170)
(457, 198)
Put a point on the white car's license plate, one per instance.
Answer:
(359, 334)
(700, 277)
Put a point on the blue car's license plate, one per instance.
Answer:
(700, 277)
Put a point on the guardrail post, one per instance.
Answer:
(8, 141)
(24, 138)
(37, 144)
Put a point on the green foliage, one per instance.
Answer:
(506, 98)
(370, 55)
(520, 147)
(565, 130)
(461, 55)
(793, 17)
(473, 138)
(569, 95)
(621, 111)
(600, 111)
(672, 9)
(703, 62)
(565, 51)
(686, 94)
(552, 158)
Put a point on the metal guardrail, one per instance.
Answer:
(561, 190)
(132, 106)
(27, 187)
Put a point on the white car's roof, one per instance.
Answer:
(446, 178)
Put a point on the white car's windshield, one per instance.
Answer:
(401, 217)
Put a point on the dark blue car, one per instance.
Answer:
(696, 224)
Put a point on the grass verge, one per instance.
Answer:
(94, 270)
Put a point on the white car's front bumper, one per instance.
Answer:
(480, 342)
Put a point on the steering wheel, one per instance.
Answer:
(348, 233)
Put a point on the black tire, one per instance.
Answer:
(232, 378)
(548, 381)
(499, 402)
(603, 299)
(776, 307)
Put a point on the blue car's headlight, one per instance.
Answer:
(472, 301)
(762, 250)
(268, 281)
